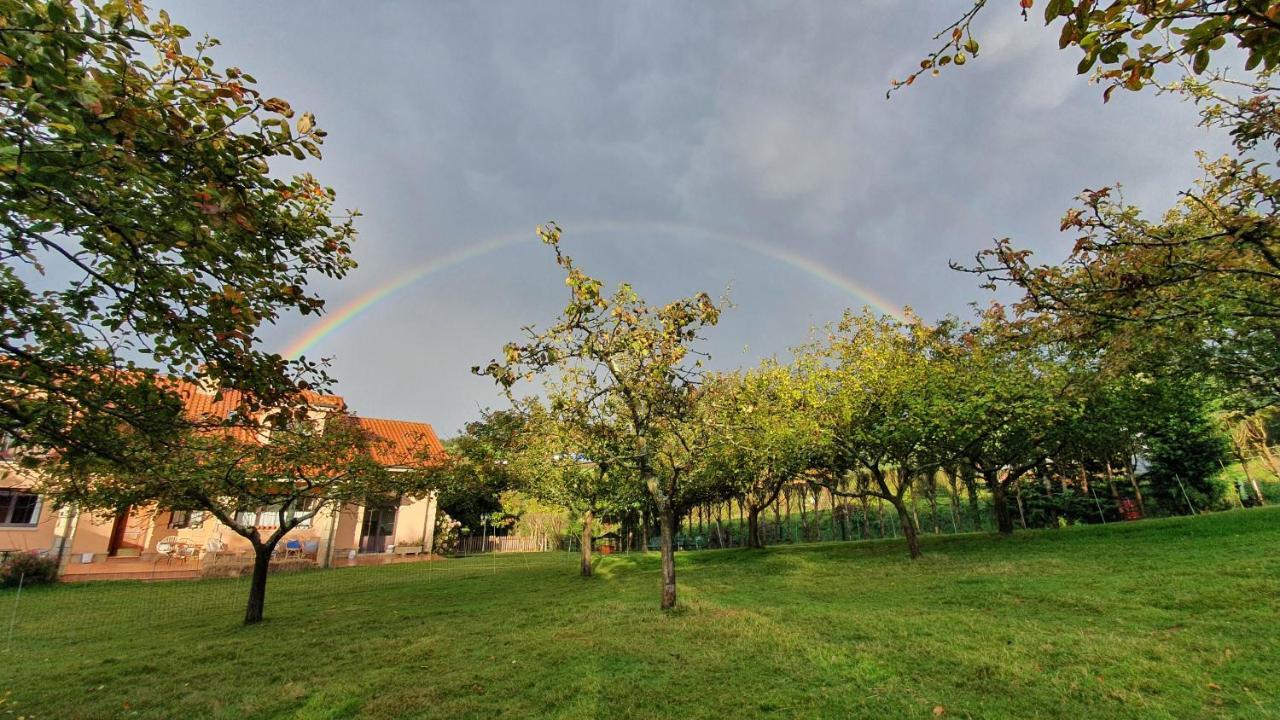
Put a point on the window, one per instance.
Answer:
(303, 507)
(179, 519)
(268, 516)
(18, 507)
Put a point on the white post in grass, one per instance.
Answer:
(1190, 507)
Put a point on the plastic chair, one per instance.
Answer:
(168, 546)
(293, 548)
(311, 548)
(186, 550)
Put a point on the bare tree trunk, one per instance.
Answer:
(817, 514)
(999, 503)
(931, 494)
(1111, 485)
(954, 493)
(804, 515)
(971, 487)
(753, 527)
(786, 493)
(668, 521)
(915, 505)
(258, 584)
(1017, 493)
(587, 520)
(1269, 457)
(1244, 465)
(866, 518)
(1132, 472)
(908, 528)
(1048, 493)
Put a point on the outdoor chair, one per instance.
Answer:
(292, 548)
(311, 548)
(185, 550)
(168, 547)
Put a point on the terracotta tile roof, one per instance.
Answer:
(405, 440)
(204, 404)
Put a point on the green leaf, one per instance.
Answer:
(1200, 62)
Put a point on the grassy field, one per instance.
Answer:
(1160, 619)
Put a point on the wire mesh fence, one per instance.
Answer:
(159, 597)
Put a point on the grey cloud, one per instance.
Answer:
(452, 123)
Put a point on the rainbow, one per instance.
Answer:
(357, 306)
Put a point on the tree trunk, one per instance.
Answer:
(258, 585)
(1132, 472)
(668, 519)
(1053, 504)
(1111, 484)
(791, 532)
(804, 516)
(915, 505)
(1022, 513)
(1269, 457)
(954, 494)
(644, 531)
(817, 514)
(908, 528)
(587, 519)
(866, 518)
(1244, 465)
(753, 528)
(931, 494)
(971, 488)
(999, 503)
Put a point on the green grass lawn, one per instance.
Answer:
(1162, 619)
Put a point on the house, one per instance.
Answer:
(86, 542)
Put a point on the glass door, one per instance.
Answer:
(377, 528)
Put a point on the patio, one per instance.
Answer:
(164, 568)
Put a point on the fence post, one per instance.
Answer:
(13, 617)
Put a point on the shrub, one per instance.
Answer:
(447, 533)
(29, 568)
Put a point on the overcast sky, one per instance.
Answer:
(683, 147)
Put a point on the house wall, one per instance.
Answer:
(92, 536)
(44, 534)
(412, 521)
(346, 536)
(91, 532)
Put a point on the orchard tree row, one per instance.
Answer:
(626, 417)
